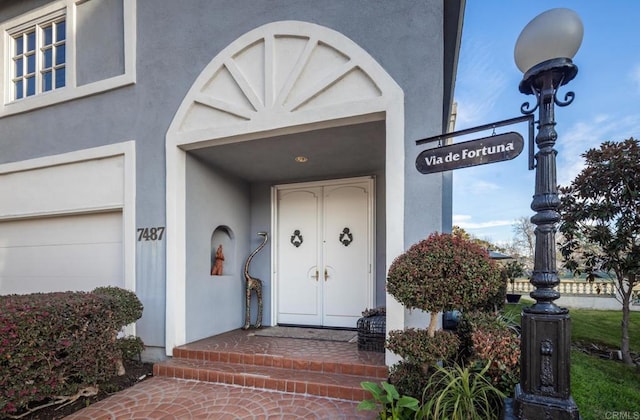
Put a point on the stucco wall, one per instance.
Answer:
(215, 200)
(175, 41)
(13, 8)
(100, 23)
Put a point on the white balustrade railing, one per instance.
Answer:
(570, 288)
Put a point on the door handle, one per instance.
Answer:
(326, 274)
(316, 276)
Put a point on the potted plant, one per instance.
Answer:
(510, 271)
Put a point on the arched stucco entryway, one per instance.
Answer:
(283, 77)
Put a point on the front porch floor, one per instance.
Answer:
(312, 367)
(267, 351)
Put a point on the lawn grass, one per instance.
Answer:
(593, 326)
(604, 327)
(601, 388)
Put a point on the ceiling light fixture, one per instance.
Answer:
(301, 159)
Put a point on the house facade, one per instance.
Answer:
(137, 137)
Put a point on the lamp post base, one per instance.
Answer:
(529, 406)
(544, 391)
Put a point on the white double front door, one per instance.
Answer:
(324, 252)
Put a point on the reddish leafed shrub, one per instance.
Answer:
(126, 306)
(485, 338)
(417, 347)
(442, 273)
(54, 344)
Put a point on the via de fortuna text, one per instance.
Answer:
(469, 154)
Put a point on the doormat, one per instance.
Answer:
(309, 333)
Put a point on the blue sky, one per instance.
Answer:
(488, 198)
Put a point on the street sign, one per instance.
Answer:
(490, 149)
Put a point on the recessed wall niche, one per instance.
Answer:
(222, 236)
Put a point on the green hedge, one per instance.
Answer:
(55, 344)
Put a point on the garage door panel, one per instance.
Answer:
(77, 252)
(65, 260)
(64, 230)
(25, 284)
(88, 184)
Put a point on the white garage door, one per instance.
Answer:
(76, 252)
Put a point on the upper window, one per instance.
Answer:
(56, 53)
(39, 58)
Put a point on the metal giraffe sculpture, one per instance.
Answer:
(253, 283)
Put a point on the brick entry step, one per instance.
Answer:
(310, 367)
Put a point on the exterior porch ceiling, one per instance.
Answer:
(332, 153)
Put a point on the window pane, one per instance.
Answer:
(31, 64)
(46, 81)
(31, 41)
(61, 28)
(60, 75)
(19, 45)
(31, 86)
(19, 67)
(60, 54)
(19, 89)
(48, 58)
(40, 58)
(48, 35)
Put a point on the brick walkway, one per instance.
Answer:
(310, 371)
(168, 398)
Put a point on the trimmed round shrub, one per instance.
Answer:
(442, 273)
(409, 379)
(126, 305)
(418, 347)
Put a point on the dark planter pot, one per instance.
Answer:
(513, 298)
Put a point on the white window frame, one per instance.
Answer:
(57, 9)
(37, 27)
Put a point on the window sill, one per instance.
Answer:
(65, 94)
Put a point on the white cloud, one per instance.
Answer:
(479, 84)
(460, 218)
(464, 221)
(482, 186)
(587, 134)
(468, 183)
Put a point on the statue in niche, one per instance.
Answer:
(253, 284)
(217, 265)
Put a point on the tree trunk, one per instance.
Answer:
(120, 371)
(433, 323)
(624, 345)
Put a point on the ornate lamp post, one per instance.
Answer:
(543, 53)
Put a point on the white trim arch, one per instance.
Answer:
(283, 77)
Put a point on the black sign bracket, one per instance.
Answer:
(442, 137)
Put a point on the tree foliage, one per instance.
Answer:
(483, 243)
(442, 273)
(512, 270)
(601, 220)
